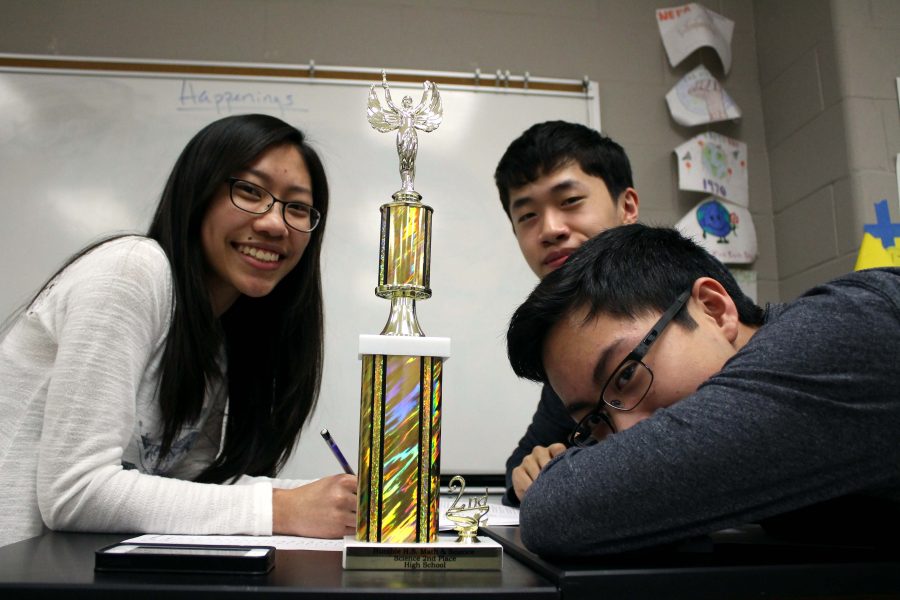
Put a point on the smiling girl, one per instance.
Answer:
(156, 383)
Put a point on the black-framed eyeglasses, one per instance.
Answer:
(254, 199)
(627, 386)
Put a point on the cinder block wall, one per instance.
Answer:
(827, 73)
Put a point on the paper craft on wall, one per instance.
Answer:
(746, 279)
(699, 98)
(686, 28)
(881, 241)
(714, 164)
(726, 230)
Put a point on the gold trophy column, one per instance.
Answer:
(400, 398)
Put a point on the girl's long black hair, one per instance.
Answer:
(273, 346)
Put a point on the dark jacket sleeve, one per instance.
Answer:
(550, 424)
(808, 411)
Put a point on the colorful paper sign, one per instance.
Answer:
(714, 164)
(724, 229)
(686, 28)
(746, 279)
(699, 98)
(881, 241)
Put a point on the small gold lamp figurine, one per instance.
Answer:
(467, 516)
(400, 399)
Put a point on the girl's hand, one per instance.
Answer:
(325, 508)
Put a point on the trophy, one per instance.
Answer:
(467, 516)
(400, 399)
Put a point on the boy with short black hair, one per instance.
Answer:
(696, 410)
(560, 184)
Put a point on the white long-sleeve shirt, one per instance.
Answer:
(80, 424)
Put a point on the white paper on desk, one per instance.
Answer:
(685, 28)
(282, 542)
(714, 164)
(725, 230)
(497, 515)
(699, 98)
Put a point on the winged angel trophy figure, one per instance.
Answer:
(426, 116)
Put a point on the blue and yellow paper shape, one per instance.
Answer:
(881, 241)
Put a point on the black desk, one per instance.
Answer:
(728, 565)
(61, 565)
(734, 564)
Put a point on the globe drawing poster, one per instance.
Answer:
(699, 98)
(724, 229)
(714, 164)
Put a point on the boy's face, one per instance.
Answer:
(579, 357)
(553, 215)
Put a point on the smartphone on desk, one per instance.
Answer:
(185, 558)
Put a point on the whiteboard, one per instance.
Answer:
(83, 154)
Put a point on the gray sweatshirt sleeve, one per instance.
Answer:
(807, 411)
